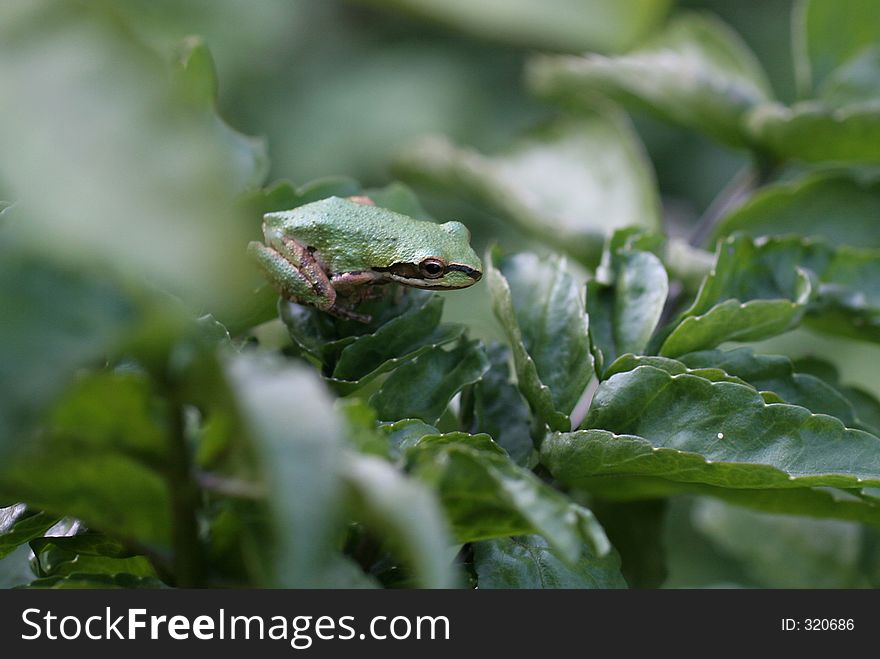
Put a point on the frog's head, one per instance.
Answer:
(445, 261)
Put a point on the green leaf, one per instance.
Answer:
(195, 80)
(782, 551)
(604, 25)
(755, 290)
(171, 219)
(866, 406)
(440, 375)
(624, 311)
(777, 374)
(55, 320)
(814, 132)
(99, 459)
(18, 528)
(416, 331)
(827, 34)
(846, 282)
(626, 363)
(406, 514)
(297, 437)
(487, 496)
(498, 408)
(540, 308)
(686, 428)
(697, 73)
(529, 561)
(91, 553)
(836, 207)
(549, 183)
(406, 433)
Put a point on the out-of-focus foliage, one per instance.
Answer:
(653, 184)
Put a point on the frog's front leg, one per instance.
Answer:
(292, 269)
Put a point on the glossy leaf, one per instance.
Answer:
(624, 311)
(697, 73)
(18, 528)
(555, 24)
(686, 428)
(776, 373)
(835, 207)
(486, 496)
(529, 561)
(541, 310)
(756, 290)
(498, 408)
(406, 514)
(440, 375)
(397, 341)
(550, 184)
(89, 553)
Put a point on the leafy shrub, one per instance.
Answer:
(165, 420)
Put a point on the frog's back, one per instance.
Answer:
(349, 234)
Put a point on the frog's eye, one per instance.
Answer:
(432, 268)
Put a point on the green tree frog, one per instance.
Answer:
(329, 253)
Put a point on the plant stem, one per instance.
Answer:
(187, 563)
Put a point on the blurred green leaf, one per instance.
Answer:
(99, 459)
(776, 373)
(439, 374)
(565, 25)
(18, 528)
(826, 34)
(487, 496)
(498, 409)
(407, 515)
(540, 308)
(195, 79)
(814, 132)
(697, 73)
(529, 561)
(549, 182)
(836, 207)
(55, 320)
(625, 309)
(781, 551)
(686, 428)
(154, 198)
(297, 437)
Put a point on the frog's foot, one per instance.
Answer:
(347, 314)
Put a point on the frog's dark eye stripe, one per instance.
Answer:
(470, 272)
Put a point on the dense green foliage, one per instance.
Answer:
(584, 417)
